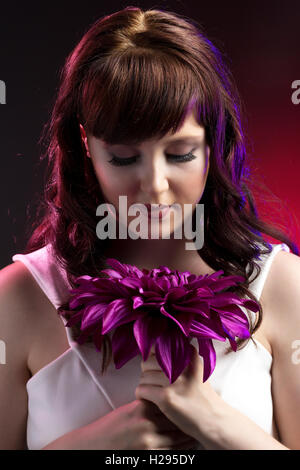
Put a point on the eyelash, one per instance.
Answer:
(128, 161)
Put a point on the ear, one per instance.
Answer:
(84, 139)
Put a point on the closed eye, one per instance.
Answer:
(129, 161)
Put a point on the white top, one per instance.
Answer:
(70, 391)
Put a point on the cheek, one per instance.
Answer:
(196, 176)
(112, 182)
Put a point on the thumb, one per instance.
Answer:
(195, 365)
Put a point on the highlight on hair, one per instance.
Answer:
(135, 75)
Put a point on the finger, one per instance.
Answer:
(154, 377)
(189, 445)
(160, 423)
(195, 366)
(150, 364)
(149, 409)
(154, 393)
(173, 439)
(152, 413)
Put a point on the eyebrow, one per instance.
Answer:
(184, 139)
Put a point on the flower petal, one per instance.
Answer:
(137, 301)
(207, 329)
(98, 338)
(235, 327)
(84, 335)
(173, 353)
(124, 345)
(183, 320)
(174, 294)
(146, 329)
(80, 299)
(75, 316)
(118, 313)
(234, 312)
(199, 308)
(92, 314)
(225, 298)
(207, 351)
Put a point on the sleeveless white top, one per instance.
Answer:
(70, 391)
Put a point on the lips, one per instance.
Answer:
(156, 207)
(159, 211)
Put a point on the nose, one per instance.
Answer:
(154, 177)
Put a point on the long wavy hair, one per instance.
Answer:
(134, 75)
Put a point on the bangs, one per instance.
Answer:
(140, 94)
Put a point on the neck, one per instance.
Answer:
(149, 254)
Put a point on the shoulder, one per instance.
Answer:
(23, 307)
(281, 288)
(13, 276)
(17, 285)
(281, 294)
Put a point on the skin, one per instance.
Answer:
(155, 178)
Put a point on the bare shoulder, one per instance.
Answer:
(18, 288)
(282, 298)
(283, 280)
(20, 297)
(14, 373)
(15, 277)
(281, 294)
(15, 293)
(280, 282)
(284, 263)
(28, 317)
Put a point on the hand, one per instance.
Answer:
(189, 403)
(136, 425)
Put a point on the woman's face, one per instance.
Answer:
(155, 173)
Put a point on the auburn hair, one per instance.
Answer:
(135, 75)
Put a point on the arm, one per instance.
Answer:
(233, 430)
(283, 303)
(13, 372)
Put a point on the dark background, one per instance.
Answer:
(261, 41)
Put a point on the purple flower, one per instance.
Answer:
(160, 308)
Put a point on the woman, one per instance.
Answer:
(147, 108)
